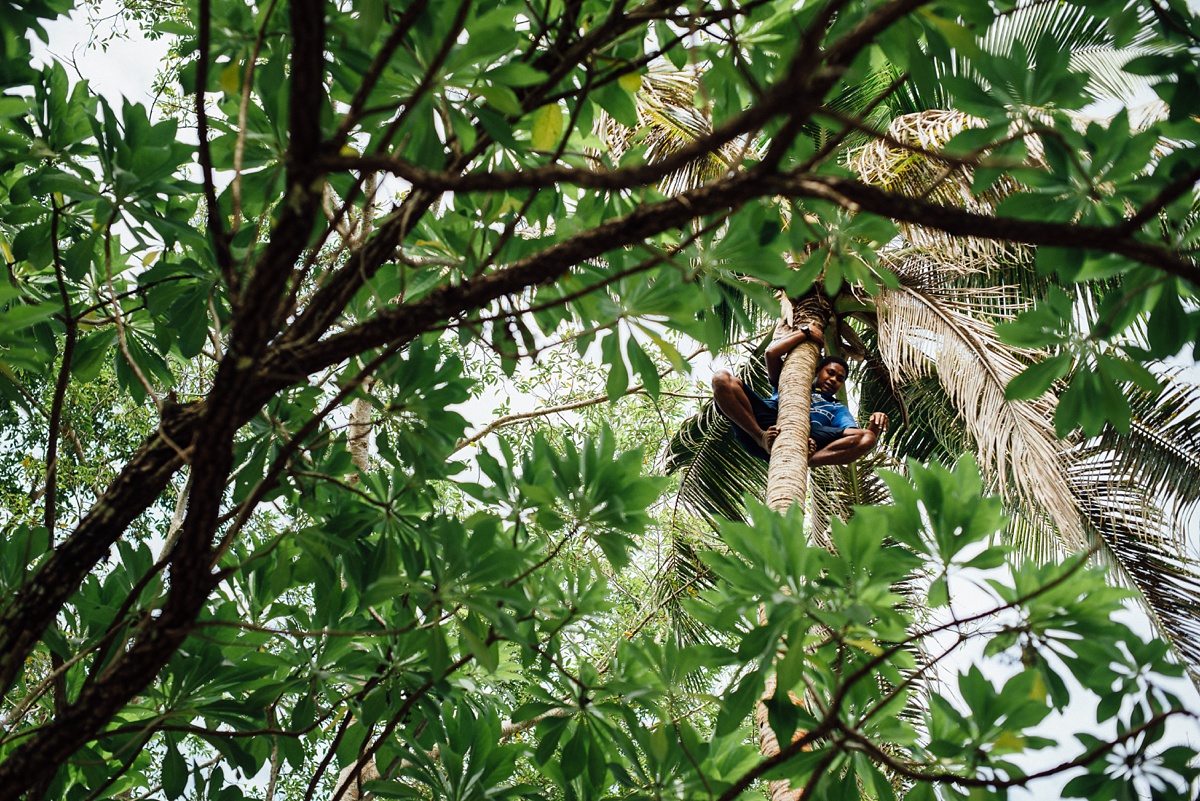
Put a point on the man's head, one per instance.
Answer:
(831, 374)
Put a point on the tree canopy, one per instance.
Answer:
(250, 545)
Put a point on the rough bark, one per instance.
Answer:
(787, 476)
(348, 787)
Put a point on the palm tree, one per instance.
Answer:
(934, 363)
(936, 366)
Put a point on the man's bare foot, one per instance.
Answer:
(768, 437)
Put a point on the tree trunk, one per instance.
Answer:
(787, 475)
(358, 434)
(348, 786)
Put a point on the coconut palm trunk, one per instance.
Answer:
(348, 786)
(787, 476)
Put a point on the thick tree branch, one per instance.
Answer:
(860, 197)
(133, 491)
(259, 316)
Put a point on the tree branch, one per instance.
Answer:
(215, 229)
(859, 197)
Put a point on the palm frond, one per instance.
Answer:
(740, 315)
(1160, 455)
(900, 169)
(1131, 524)
(924, 425)
(1145, 554)
(682, 575)
(716, 475)
(1014, 441)
(932, 432)
(1106, 68)
(668, 119)
(863, 101)
(917, 267)
(716, 472)
(1071, 28)
(1030, 531)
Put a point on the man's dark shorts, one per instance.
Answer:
(766, 412)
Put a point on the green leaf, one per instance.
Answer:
(91, 351)
(516, 73)
(174, 771)
(487, 655)
(618, 376)
(547, 127)
(645, 367)
(1037, 379)
(737, 705)
(502, 99)
(618, 102)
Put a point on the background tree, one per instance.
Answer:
(238, 293)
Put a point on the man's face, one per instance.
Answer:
(831, 377)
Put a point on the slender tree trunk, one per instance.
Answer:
(358, 434)
(787, 476)
(348, 786)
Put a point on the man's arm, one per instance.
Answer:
(782, 347)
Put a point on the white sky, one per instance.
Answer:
(125, 69)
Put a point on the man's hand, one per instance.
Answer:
(879, 422)
(817, 336)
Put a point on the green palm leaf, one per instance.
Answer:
(1145, 553)
(1161, 453)
(715, 471)
(1072, 28)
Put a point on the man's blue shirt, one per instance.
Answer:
(826, 411)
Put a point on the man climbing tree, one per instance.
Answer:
(834, 437)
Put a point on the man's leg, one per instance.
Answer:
(730, 394)
(855, 442)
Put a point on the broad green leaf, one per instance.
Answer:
(547, 127)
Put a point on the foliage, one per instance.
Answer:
(205, 596)
(949, 376)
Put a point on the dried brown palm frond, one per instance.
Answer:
(1143, 116)
(917, 267)
(901, 163)
(948, 333)
(668, 119)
